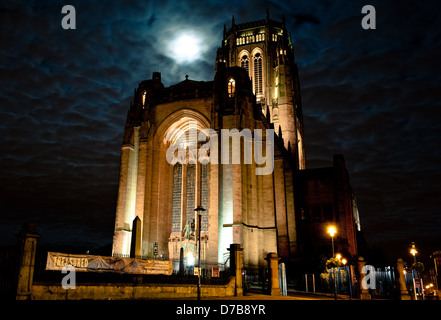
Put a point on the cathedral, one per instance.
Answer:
(169, 205)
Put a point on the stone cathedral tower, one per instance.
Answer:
(265, 50)
(255, 87)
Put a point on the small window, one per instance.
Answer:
(231, 88)
(305, 214)
(143, 98)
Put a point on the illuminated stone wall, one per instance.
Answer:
(240, 206)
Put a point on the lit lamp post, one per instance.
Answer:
(332, 231)
(348, 270)
(198, 210)
(413, 251)
(415, 268)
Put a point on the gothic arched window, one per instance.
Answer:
(244, 63)
(231, 87)
(143, 98)
(258, 87)
(190, 182)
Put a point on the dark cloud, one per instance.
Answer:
(306, 18)
(373, 95)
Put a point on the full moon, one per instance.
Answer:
(186, 47)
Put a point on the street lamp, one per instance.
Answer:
(198, 210)
(413, 251)
(348, 270)
(332, 231)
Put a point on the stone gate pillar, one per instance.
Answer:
(402, 280)
(28, 246)
(273, 264)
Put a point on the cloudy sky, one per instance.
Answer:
(372, 95)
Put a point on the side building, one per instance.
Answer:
(324, 199)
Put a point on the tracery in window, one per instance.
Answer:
(190, 181)
(244, 63)
(258, 73)
(231, 87)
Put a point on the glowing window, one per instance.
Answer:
(231, 87)
(143, 98)
(258, 73)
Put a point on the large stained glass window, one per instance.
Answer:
(188, 181)
(177, 199)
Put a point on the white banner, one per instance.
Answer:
(91, 263)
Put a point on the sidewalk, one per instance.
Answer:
(292, 295)
(321, 295)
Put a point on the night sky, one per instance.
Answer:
(372, 95)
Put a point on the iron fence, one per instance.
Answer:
(255, 278)
(346, 281)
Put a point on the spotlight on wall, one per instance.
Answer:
(190, 260)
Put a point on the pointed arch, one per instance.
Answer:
(179, 121)
(231, 87)
(258, 72)
(244, 60)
